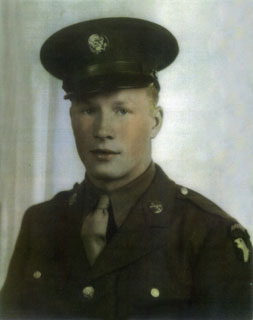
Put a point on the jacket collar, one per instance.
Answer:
(122, 199)
(144, 230)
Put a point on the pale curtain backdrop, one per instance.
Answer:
(206, 140)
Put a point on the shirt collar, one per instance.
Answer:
(124, 198)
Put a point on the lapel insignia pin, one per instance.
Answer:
(242, 246)
(97, 43)
(72, 199)
(156, 207)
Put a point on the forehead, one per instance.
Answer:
(127, 96)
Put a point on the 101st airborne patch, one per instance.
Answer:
(240, 237)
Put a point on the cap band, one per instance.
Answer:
(120, 74)
(125, 67)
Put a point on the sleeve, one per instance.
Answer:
(11, 292)
(223, 274)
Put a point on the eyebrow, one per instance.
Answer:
(87, 101)
(120, 103)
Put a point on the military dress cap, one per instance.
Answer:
(108, 53)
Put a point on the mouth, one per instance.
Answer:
(104, 154)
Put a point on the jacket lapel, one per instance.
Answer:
(145, 229)
(73, 260)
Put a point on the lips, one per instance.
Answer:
(104, 154)
(104, 151)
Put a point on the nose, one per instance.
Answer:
(103, 126)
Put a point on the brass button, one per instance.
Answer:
(37, 274)
(156, 207)
(155, 293)
(88, 292)
(184, 191)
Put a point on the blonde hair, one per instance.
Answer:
(153, 95)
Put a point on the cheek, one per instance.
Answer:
(82, 130)
(136, 137)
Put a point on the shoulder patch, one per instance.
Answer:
(202, 202)
(241, 241)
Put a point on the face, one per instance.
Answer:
(113, 135)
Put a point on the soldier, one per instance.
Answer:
(127, 242)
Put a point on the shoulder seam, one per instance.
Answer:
(191, 196)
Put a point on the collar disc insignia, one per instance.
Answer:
(156, 207)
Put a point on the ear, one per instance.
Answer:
(71, 111)
(157, 118)
(71, 115)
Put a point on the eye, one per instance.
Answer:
(122, 111)
(88, 111)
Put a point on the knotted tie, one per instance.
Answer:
(94, 229)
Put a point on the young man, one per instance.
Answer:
(127, 242)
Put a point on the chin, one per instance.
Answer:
(102, 173)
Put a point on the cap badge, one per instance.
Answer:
(156, 207)
(242, 246)
(97, 43)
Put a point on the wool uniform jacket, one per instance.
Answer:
(177, 256)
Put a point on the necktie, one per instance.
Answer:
(94, 229)
(111, 226)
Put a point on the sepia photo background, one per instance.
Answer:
(206, 139)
